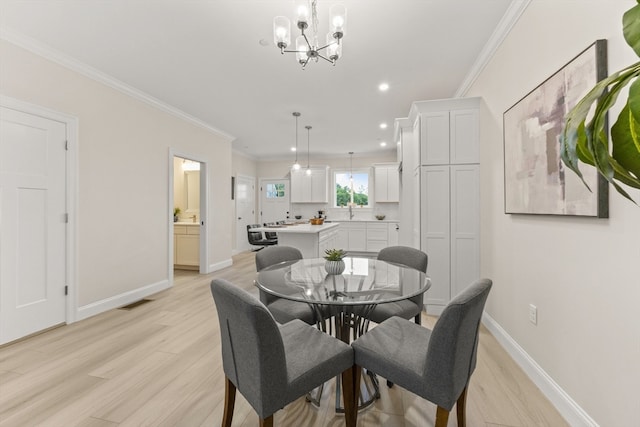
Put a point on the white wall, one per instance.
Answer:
(123, 176)
(582, 274)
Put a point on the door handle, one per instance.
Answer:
(239, 217)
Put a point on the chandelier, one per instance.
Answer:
(307, 46)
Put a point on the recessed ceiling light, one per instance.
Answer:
(293, 148)
(383, 125)
(383, 144)
(383, 87)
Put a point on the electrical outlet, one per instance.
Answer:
(533, 314)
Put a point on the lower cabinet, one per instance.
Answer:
(328, 240)
(367, 236)
(377, 236)
(186, 246)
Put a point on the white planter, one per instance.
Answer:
(334, 267)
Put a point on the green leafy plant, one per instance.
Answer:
(176, 211)
(585, 138)
(334, 254)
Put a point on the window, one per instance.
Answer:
(354, 190)
(275, 191)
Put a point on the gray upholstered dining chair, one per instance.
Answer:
(409, 308)
(283, 310)
(270, 364)
(434, 364)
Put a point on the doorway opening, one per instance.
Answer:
(188, 201)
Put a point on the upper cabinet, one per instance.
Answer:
(312, 188)
(386, 182)
(447, 131)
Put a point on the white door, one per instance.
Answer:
(245, 210)
(274, 200)
(33, 225)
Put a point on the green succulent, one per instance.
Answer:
(334, 254)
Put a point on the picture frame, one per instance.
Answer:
(535, 179)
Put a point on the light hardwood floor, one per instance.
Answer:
(159, 365)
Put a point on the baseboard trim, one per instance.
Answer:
(116, 301)
(567, 407)
(220, 265)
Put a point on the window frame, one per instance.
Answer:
(365, 170)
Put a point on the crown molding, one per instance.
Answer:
(66, 61)
(509, 19)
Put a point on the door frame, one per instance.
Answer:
(238, 248)
(204, 215)
(71, 172)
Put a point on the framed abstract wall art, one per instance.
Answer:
(535, 179)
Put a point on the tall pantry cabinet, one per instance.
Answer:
(446, 220)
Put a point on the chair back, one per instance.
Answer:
(276, 254)
(254, 236)
(451, 355)
(253, 356)
(405, 255)
(270, 234)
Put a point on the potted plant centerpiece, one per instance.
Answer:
(176, 212)
(334, 264)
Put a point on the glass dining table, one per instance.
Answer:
(344, 301)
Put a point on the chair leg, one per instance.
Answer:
(418, 319)
(266, 422)
(461, 405)
(229, 402)
(442, 417)
(357, 377)
(349, 396)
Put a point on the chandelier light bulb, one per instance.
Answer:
(281, 32)
(296, 166)
(308, 171)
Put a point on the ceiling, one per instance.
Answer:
(205, 58)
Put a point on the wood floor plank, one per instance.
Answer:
(159, 365)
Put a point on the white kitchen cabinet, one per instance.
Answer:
(311, 188)
(447, 205)
(377, 236)
(386, 180)
(394, 233)
(353, 236)
(367, 236)
(186, 246)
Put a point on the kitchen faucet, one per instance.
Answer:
(351, 214)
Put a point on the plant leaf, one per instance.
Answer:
(634, 111)
(631, 28)
(625, 151)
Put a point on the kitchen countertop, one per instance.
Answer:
(300, 228)
(186, 223)
(364, 220)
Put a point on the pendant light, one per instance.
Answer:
(296, 165)
(308, 137)
(351, 178)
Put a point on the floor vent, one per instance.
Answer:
(135, 304)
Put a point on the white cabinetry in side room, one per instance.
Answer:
(186, 246)
(386, 182)
(310, 188)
